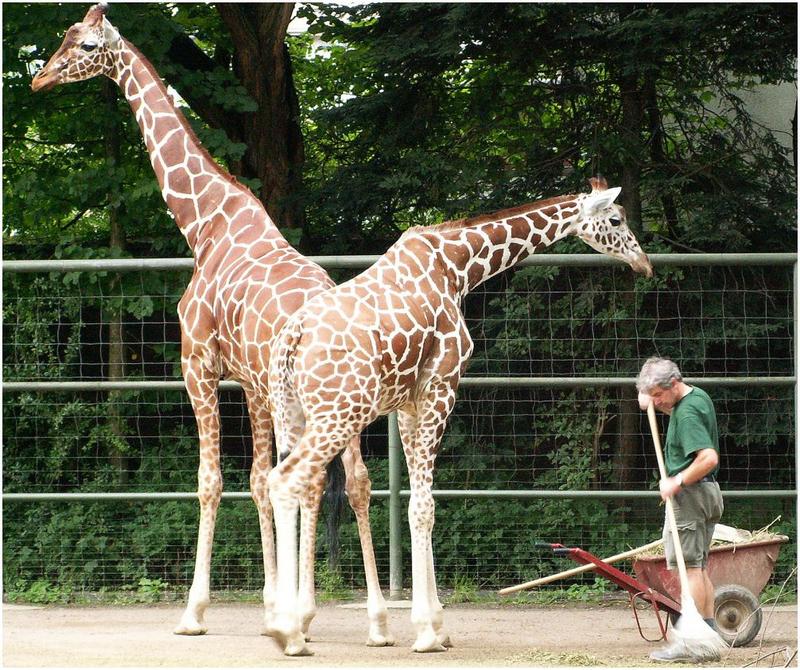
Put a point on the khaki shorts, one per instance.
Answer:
(698, 508)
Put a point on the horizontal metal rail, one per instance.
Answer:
(468, 382)
(444, 494)
(360, 262)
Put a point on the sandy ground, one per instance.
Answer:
(483, 636)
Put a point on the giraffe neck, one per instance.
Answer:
(479, 248)
(195, 188)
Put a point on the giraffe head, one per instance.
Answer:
(87, 51)
(601, 224)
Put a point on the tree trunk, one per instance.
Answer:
(657, 152)
(631, 132)
(627, 456)
(116, 340)
(272, 133)
(794, 138)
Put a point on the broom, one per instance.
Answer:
(698, 638)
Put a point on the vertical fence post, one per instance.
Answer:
(395, 510)
(796, 371)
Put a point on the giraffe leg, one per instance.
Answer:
(437, 617)
(423, 616)
(309, 513)
(421, 436)
(291, 482)
(261, 426)
(359, 488)
(286, 488)
(420, 511)
(202, 388)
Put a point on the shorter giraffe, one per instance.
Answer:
(394, 338)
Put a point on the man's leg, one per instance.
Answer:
(702, 591)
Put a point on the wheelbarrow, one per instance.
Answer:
(636, 589)
(739, 573)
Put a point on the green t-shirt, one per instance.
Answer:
(692, 427)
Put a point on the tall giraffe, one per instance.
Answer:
(247, 280)
(394, 338)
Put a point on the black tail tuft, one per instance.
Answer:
(334, 510)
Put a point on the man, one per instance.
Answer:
(691, 458)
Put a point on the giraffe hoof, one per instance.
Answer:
(444, 640)
(380, 641)
(304, 626)
(290, 642)
(297, 650)
(190, 628)
(427, 643)
(293, 645)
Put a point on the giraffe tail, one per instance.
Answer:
(284, 401)
(287, 413)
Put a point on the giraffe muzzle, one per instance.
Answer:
(44, 80)
(642, 265)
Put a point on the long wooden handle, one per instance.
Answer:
(579, 570)
(673, 526)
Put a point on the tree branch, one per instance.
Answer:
(186, 54)
(79, 143)
(74, 219)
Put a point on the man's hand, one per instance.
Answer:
(669, 486)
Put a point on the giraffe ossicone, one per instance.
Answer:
(394, 339)
(247, 281)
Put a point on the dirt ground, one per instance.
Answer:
(483, 636)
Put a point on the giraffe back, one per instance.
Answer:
(373, 342)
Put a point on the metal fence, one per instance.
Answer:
(591, 336)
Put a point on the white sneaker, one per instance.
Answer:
(677, 652)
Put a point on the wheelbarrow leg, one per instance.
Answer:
(654, 603)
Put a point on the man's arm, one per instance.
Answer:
(704, 462)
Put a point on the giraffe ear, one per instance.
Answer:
(597, 201)
(110, 34)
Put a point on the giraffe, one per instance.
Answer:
(394, 338)
(247, 280)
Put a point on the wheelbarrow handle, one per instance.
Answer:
(547, 545)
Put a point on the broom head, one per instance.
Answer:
(697, 637)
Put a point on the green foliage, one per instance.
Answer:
(37, 592)
(330, 584)
(777, 594)
(509, 105)
(465, 590)
(587, 593)
(58, 181)
(151, 590)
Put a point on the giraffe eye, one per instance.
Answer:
(614, 220)
(88, 46)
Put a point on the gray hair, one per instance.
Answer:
(657, 372)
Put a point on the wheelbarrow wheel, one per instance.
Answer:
(737, 613)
